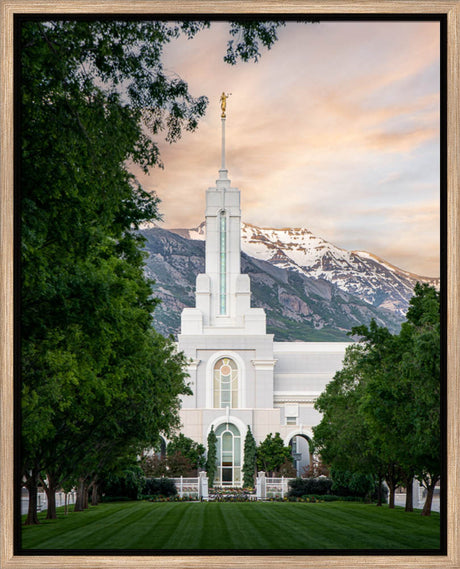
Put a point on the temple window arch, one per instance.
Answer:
(229, 454)
(210, 377)
(226, 383)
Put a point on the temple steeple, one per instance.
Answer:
(222, 292)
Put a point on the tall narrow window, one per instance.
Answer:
(225, 383)
(228, 455)
(223, 263)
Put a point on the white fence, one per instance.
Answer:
(42, 501)
(192, 487)
(267, 488)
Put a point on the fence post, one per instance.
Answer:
(282, 487)
(181, 491)
(203, 486)
(261, 486)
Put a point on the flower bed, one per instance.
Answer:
(231, 495)
(170, 498)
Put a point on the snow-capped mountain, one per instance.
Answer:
(298, 308)
(359, 273)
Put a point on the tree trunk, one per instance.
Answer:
(94, 494)
(409, 494)
(79, 500)
(85, 497)
(392, 480)
(50, 489)
(429, 497)
(379, 491)
(51, 511)
(32, 487)
(391, 499)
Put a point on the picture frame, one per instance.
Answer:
(8, 278)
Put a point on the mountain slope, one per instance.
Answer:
(298, 307)
(359, 273)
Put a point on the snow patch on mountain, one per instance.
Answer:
(360, 273)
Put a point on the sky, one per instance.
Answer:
(335, 129)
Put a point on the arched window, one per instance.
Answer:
(225, 383)
(228, 454)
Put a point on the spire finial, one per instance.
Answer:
(223, 106)
(223, 103)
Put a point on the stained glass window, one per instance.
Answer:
(225, 383)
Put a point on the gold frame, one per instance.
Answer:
(10, 7)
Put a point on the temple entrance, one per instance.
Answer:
(301, 453)
(228, 455)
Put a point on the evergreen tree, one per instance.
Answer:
(211, 462)
(249, 463)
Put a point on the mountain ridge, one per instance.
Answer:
(361, 273)
(299, 306)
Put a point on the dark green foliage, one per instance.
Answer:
(381, 412)
(249, 461)
(188, 448)
(159, 487)
(303, 486)
(380, 493)
(346, 483)
(272, 453)
(248, 35)
(128, 485)
(97, 382)
(211, 459)
(330, 498)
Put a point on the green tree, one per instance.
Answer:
(188, 448)
(94, 98)
(211, 459)
(342, 438)
(421, 366)
(381, 411)
(250, 459)
(271, 454)
(179, 465)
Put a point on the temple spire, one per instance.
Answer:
(223, 105)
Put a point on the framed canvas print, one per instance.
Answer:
(229, 302)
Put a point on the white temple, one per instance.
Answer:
(239, 376)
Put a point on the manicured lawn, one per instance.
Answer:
(224, 525)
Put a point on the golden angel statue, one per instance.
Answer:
(223, 103)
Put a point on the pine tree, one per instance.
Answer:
(211, 460)
(249, 464)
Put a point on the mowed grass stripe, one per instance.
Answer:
(272, 525)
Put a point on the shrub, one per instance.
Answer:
(159, 487)
(304, 486)
(312, 498)
(345, 483)
(125, 486)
